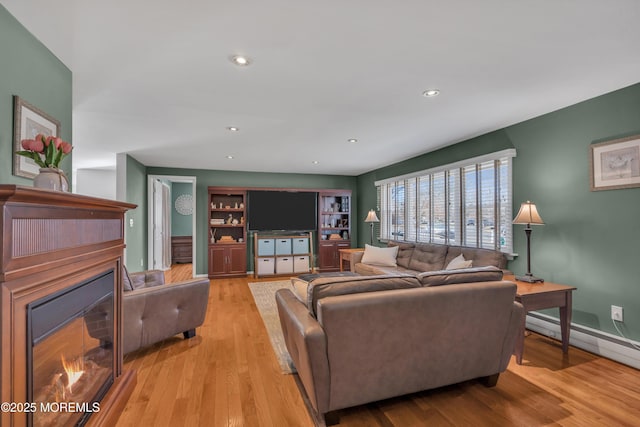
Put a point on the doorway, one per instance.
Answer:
(164, 202)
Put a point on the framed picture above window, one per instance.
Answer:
(615, 164)
(28, 122)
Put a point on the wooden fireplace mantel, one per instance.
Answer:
(52, 240)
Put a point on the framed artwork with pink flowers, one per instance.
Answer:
(29, 122)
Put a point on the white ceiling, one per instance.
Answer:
(153, 78)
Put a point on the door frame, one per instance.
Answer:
(150, 217)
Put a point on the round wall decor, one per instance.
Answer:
(184, 204)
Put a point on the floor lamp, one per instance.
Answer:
(372, 218)
(528, 215)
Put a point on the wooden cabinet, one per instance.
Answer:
(334, 227)
(227, 232)
(181, 249)
(227, 260)
(328, 255)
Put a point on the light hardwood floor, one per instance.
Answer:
(228, 376)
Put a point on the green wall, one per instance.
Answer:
(180, 224)
(367, 199)
(32, 72)
(590, 239)
(206, 178)
(136, 258)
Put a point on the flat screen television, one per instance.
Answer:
(273, 210)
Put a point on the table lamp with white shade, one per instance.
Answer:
(372, 218)
(528, 215)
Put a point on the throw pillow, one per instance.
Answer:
(385, 257)
(459, 262)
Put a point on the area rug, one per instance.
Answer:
(264, 294)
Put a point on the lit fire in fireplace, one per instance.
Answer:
(74, 371)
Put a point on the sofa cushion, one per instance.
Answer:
(331, 286)
(126, 280)
(380, 256)
(480, 257)
(462, 275)
(373, 270)
(405, 250)
(428, 257)
(300, 284)
(137, 280)
(459, 262)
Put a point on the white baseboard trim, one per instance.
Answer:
(592, 340)
(201, 275)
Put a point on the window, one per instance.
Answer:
(467, 203)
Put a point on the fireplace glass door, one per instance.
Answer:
(72, 354)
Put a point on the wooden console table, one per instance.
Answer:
(345, 255)
(538, 296)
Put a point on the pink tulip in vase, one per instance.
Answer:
(47, 152)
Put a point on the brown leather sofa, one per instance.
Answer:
(355, 348)
(428, 262)
(154, 311)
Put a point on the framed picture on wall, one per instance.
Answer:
(615, 164)
(28, 122)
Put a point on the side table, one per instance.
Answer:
(345, 255)
(538, 296)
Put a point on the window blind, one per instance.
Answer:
(466, 203)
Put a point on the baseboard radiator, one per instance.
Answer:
(592, 340)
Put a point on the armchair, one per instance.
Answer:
(154, 311)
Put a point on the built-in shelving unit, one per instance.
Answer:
(227, 232)
(334, 227)
(227, 235)
(282, 254)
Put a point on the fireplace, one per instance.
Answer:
(61, 261)
(70, 353)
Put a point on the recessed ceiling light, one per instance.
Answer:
(229, 157)
(352, 140)
(429, 93)
(315, 162)
(233, 129)
(241, 61)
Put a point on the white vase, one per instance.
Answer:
(51, 179)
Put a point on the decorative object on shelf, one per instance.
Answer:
(30, 124)
(227, 253)
(184, 204)
(51, 179)
(528, 215)
(335, 237)
(372, 218)
(615, 164)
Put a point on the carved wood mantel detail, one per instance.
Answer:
(51, 241)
